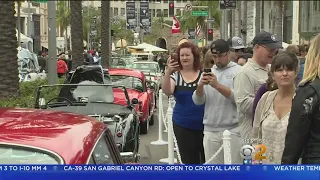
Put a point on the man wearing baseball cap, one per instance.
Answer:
(215, 90)
(236, 48)
(252, 75)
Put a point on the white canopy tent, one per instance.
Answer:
(24, 38)
(25, 41)
(148, 48)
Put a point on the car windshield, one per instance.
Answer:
(22, 155)
(117, 62)
(127, 81)
(128, 61)
(144, 66)
(69, 94)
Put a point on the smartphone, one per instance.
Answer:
(207, 70)
(174, 56)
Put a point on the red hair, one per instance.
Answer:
(195, 51)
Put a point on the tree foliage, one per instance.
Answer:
(188, 21)
(157, 28)
(27, 97)
(120, 30)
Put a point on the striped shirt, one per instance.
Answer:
(185, 112)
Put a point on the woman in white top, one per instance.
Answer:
(273, 109)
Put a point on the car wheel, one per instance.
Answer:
(144, 127)
(151, 120)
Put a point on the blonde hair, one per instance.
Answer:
(312, 64)
(208, 58)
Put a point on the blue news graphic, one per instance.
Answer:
(238, 172)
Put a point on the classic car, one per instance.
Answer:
(33, 136)
(136, 85)
(88, 73)
(96, 99)
(151, 70)
(28, 66)
(122, 61)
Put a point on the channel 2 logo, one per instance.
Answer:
(247, 152)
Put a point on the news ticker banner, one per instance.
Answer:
(158, 171)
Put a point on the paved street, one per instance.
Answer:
(151, 154)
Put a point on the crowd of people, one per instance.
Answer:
(265, 94)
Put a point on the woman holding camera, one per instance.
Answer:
(180, 80)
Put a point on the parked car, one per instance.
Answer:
(136, 85)
(87, 94)
(33, 136)
(88, 73)
(151, 70)
(122, 62)
(28, 66)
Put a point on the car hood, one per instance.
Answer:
(119, 96)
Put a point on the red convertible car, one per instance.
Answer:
(136, 85)
(31, 136)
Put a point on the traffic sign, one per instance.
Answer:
(188, 7)
(200, 13)
(210, 20)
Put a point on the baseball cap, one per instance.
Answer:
(267, 39)
(235, 43)
(220, 46)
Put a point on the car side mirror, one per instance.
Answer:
(42, 103)
(134, 101)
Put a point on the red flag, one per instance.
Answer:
(175, 25)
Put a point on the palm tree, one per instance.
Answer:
(89, 14)
(76, 33)
(244, 21)
(233, 22)
(258, 17)
(63, 19)
(8, 51)
(278, 24)
(105, 34)
(239, 18)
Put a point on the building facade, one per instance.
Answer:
(157, 8)
(309, 19)
(299, 20)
